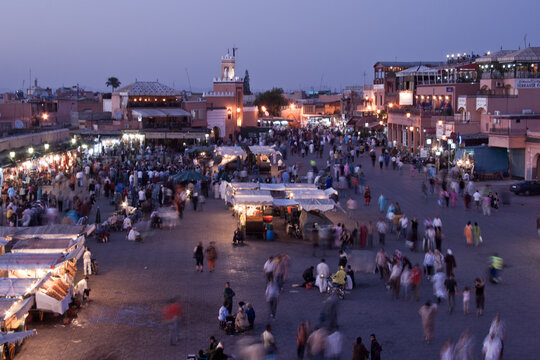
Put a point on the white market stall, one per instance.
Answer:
(229, 154)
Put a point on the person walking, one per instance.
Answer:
(468, 232)
(367, 196)
(477, 234)
(87, 262)
(427, 313)
(301, 338)
(479, 286)
(211, 256)
(376, 348)
(381, 229)
(451, 290)
(171, 316)
(449, 262)
(359, 350)
(272, 296)
(382, 203)
(198, 255)
(228, 296)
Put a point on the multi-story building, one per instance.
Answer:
(507, 106)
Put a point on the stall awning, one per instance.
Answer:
(75, 254)
(24, 261)
(285, 202)
(12, 287)
(15, 307)
(317, 204)
(12, 338)
(46, 245)
(272, 187)
(308, 194)
(54, 231)
(253, 193)
(263, 150)
(243, 186)
(299, 186)
(230, 151)
(265, 200)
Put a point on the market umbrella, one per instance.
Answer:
(188, 176)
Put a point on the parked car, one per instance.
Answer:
(526, 187)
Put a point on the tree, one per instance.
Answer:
(247, 90)
(113, 82)
(273, 100)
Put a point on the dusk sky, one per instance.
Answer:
(283, 43)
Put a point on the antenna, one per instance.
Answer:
(525, 41)
(234, 50)
(189, 81)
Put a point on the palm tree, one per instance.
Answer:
(113, 82)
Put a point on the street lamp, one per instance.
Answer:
(73, 141)
(12, 154)
(46, 146)
(30, 150)
(408, 115)
(391, 105)
(45, 116)
(411, 128)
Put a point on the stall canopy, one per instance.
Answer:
(272, 187)
(11, 261)
(230, 151)
(308, 194)
(285, 202)
(53, 231)
(263, 150)
(15, 307)
(10, 287)
(46, 246)
(487, 160)
(260, 200)
(12, 338)
(300, 186)
(316, 204)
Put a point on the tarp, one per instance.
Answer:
(47, 303)
(487, 160)
(330, 191)
(317, 204)
(253, 200)
(300, 186)
(46, 245)
(10, 287)
(230, 150)
(272, 187)
(263, 150)
(15, 307)
(308, 194)
(285, 202)
(14, 337)
(22, 261)
(243, 185)
(252, 193)
(54, 231)
(75, 254)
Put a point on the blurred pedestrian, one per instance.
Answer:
(301, 338)
(228, 296)
(211, 256)
(171, 316)
(198, 255)
(376, 348)
(359, 350)
(272, 296)
(427, 313)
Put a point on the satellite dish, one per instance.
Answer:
(18, 124)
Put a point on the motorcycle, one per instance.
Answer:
(332, 289)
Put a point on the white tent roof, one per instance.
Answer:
(235, 186)
(272, 187)
(308, 194)
(11, 287)
(305, 186)
(253, 200)
(262, 150)
(317, 204)
(230, 150)
(17, 307)
(22, 261)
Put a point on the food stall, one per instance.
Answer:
(254, 210)
(228, 155)
(264, 157)
(37, 245)
(11, 341)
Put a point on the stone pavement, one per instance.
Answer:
(136, 280)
